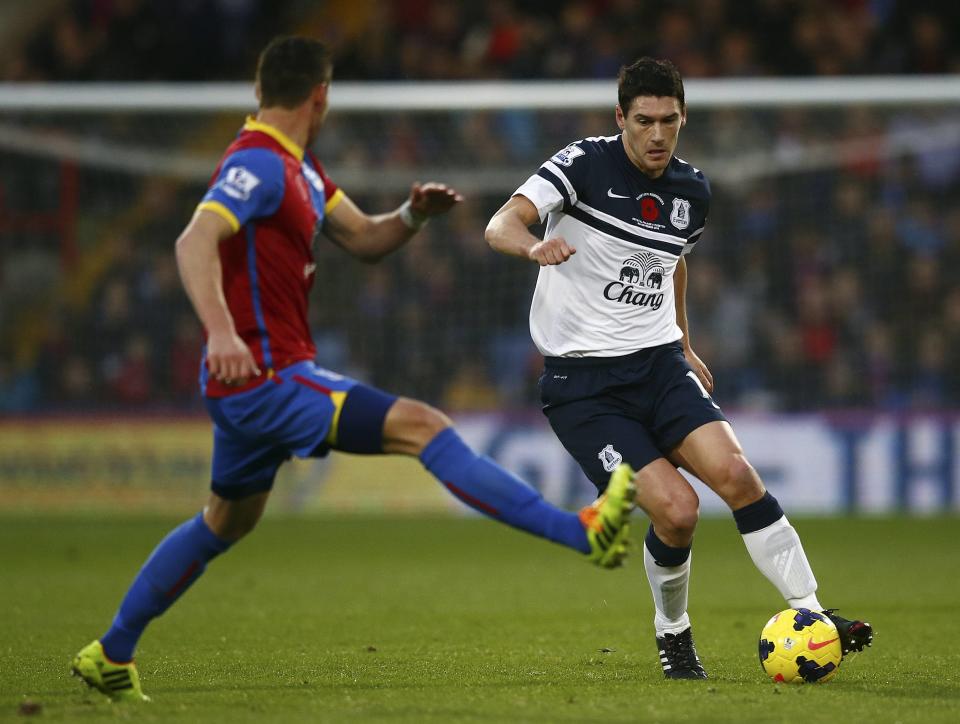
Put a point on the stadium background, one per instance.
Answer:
(825, 296)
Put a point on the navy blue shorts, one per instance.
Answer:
(302, 410)
(634, 408)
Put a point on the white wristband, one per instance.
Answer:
(410, 218)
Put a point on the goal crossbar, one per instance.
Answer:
(482, 95)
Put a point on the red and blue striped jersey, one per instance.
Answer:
(274, 196)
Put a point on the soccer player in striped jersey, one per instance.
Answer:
(622, 386)
(247, 264)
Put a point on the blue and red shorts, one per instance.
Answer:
(303, 410)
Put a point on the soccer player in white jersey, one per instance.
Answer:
(622, 386)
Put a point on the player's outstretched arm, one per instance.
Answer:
(509, 233)
(372, 237)
(198, 258)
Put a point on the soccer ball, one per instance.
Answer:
(800, 645)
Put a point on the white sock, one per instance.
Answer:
(777, 552)
(669, 586)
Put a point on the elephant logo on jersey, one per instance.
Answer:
(609, 458)
(680, 217)
(644, 270)
(630, 274)
(239, 183)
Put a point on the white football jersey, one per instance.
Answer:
(615, 295)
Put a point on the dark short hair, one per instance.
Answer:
(649, 77)
(289, 68)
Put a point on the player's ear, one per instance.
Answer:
(683, 117)
(619, 114)
(321, 92)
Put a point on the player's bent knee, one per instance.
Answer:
(410, 425)
(675, 518)
(739, 485)
(680, 520)
(231, 520)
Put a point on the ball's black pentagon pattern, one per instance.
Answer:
(766, 648)
(811, 671)
(805, 617)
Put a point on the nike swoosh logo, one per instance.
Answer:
(615, 196)
(813, 645)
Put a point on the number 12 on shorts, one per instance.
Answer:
(703, 390)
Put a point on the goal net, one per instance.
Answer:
(827, 277)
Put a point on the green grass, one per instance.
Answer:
(446, 620)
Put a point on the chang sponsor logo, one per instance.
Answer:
(638, 283)
(627, 294)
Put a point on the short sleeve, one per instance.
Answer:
(555, 184)
(250, 185)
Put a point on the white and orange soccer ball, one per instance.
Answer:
(799, 645)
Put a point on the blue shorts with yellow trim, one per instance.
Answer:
(304, 411)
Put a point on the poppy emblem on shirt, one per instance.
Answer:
(648, 208)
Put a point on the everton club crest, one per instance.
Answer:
(680, 217)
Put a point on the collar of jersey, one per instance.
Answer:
(276, 134)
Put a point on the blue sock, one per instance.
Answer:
(169, 571)
(485, 486)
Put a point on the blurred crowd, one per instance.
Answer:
(510, 39)
(535, 39)
(828, 277)
(146, 40)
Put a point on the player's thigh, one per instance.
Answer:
(242, 465)
(364, 420)
(713, 453)
(600, 436)
(358, 421)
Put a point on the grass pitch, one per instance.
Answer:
(448, 620)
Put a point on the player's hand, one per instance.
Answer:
(432, 199)
(699, 368)
(551, 251)
(229, 359)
